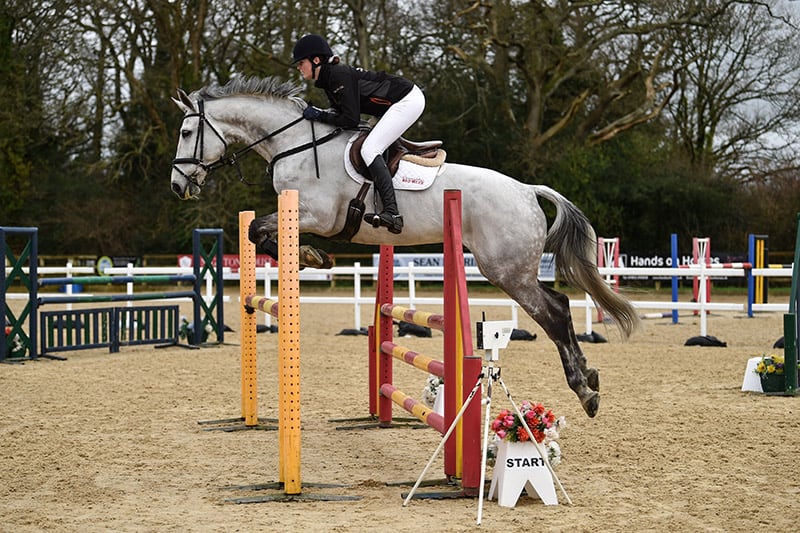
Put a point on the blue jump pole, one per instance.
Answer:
(674, 247)
(117, 297)
(100, 280)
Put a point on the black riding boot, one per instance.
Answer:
(389, 217)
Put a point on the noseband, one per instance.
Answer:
(197, 160)
(233, 158)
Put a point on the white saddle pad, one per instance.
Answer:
(410, 176)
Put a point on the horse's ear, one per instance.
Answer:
(184, 102)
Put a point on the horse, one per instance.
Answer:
(504, 225)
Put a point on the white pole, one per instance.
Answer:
(588, 314)
(129, 272)
(267, 293)
(703, 316)
(412, 292)
(69, 285)
(357, 294)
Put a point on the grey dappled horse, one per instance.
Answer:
(503, 224)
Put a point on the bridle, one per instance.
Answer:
(233, 158)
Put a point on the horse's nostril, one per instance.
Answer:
(177, 189)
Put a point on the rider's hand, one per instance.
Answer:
(312, 113)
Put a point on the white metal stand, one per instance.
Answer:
(492, 336)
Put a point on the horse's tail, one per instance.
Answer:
(574, 244)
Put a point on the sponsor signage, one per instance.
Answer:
(547, 266)
(665, 261)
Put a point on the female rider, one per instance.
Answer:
(395, 101)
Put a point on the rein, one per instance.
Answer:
(303, 147)
(233, 159)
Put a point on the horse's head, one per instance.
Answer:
(201, 147)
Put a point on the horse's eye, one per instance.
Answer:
(186, 133)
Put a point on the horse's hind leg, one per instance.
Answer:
(550, 309)
(556, 319)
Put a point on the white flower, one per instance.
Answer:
(431, 390)
(554, 453)
(428, 397)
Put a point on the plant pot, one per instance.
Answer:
(14, 348)
(773, 382)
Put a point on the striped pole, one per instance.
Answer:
(263, 304)
(434, 420)
(423, 362)
(420, 318)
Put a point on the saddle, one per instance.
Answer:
(426, 153)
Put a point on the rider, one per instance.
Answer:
(395, 101)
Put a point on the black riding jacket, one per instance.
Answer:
(353, 91)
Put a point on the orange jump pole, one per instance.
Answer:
(289, 341)
(287, 311)
(249, 354)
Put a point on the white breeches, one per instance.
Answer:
(398, 118)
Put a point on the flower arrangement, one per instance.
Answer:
(186, 331)
(544, 425)
(770, 364)
(431, 390)
(14, 346)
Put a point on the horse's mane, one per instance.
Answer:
(254, 86)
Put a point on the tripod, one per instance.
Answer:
(492, 336)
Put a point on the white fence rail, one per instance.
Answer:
(410, 274)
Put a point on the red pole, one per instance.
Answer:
(385, 294)
(462, 451)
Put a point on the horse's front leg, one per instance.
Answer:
(263, 232)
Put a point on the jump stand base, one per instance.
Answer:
(372, 422)
(229, 425)
(283, 497)
(457, 491)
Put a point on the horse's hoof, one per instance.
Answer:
(314, 258)
(327, 262)
(309, 257)
(591, 404)
(593, 379)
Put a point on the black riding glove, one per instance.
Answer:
(312, 113)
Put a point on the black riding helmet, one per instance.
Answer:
(309, 46)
